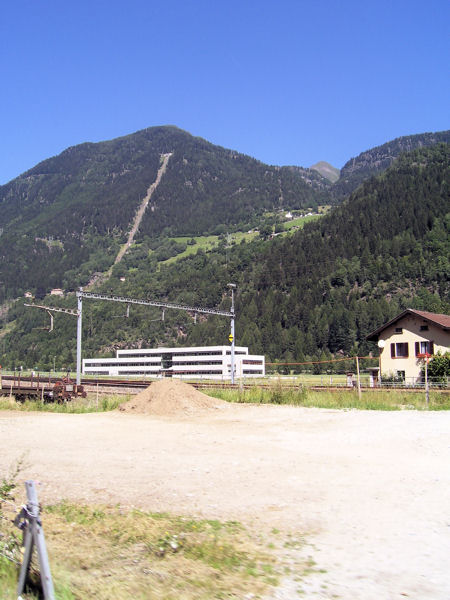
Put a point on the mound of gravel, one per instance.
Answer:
(168, 397)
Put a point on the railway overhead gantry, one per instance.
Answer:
(94, 296)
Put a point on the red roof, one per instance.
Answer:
(440, 320)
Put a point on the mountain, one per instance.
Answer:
(68, 217)
(378, 159)
(71, 213)
(327, 171)
(315, 293)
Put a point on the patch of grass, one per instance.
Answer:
(10, 538)
(207, 242)
(8, 578)
(76, 406)
(111, 552)
(107, 552)
(345, 399)
(299, 222)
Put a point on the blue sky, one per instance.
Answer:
(288, 82)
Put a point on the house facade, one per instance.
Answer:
(405, 340)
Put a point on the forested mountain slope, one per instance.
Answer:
(378, 159)
(67, 217)
(385, 248)
(316, 292)
(74, 210)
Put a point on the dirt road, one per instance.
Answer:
(370, 490)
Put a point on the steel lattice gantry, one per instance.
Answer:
(195, 309)
(90, 295)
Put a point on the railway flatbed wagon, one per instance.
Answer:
(61, 390)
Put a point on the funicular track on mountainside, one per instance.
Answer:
(143, 206)
(101, 278)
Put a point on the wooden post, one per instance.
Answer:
(358, 378)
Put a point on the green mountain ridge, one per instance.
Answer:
(86, 198)
(376, 160)
(313, 294)
(67, 217)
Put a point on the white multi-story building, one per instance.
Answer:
(198, 362)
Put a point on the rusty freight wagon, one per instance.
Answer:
(38, 388)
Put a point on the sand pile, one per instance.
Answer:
(171, 397)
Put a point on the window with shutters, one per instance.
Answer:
(424, 348)
(399, 350)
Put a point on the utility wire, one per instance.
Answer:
(316, 362)
(10, 503)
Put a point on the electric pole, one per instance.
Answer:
(232, 287)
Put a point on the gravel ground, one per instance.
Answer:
(369, 491)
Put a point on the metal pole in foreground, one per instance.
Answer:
(34, 536)
(232, 286)
(79, 332)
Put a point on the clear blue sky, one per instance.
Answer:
(288, 82)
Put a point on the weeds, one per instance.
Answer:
(172, 556)
(10, 544)
(111, 552)
(75, 406)
(345, 399)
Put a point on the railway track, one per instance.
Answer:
(136, 384)
(139, 383)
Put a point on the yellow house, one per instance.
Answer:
(405, 340)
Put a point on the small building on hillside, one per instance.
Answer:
(57, 292)
(199, 362)
(404, 341)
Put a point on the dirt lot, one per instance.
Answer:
(369, 490)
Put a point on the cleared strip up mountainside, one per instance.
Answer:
(314, 294)
(68, 216)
